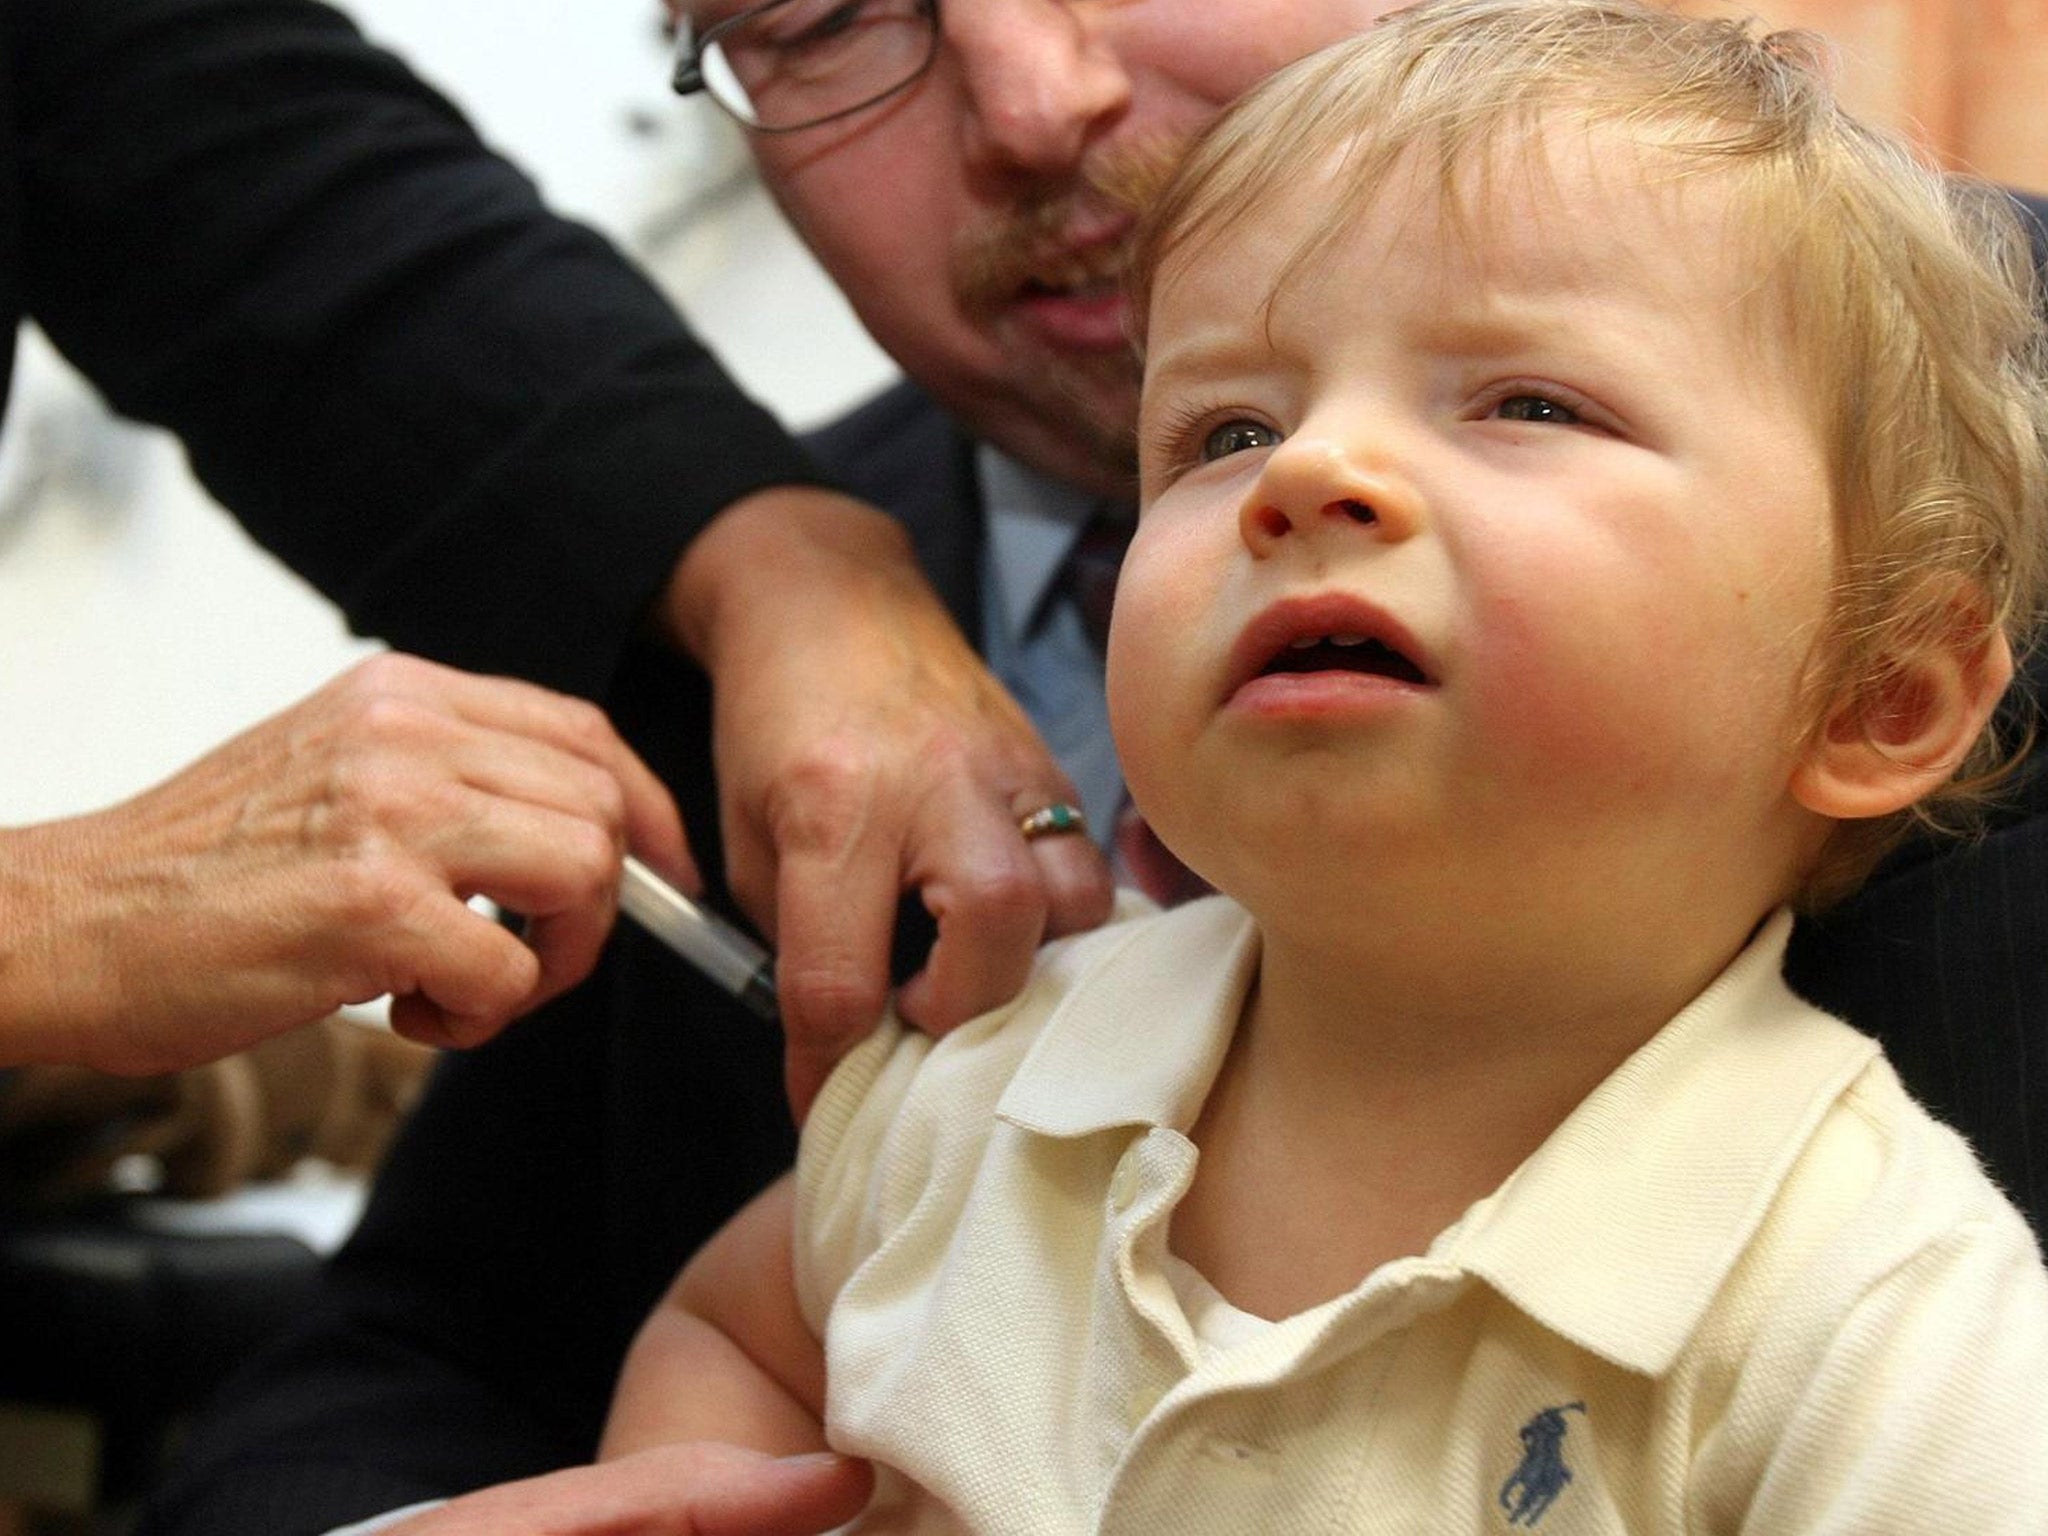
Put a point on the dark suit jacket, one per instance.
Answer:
(552, 1183)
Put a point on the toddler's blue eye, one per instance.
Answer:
(1236, 437)
(1535, 408)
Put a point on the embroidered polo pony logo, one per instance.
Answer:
(1534, 1485)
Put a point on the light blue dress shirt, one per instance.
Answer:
(1032, 631)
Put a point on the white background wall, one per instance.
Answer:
(138, 626)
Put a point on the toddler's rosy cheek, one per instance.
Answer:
(1561, 701)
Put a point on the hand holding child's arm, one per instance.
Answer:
(715, 1423)
(680, 1490)
(727, 1356)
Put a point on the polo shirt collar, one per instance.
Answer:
(1142, 1032)
(1616, 1233)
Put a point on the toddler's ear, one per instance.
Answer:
(1901, 738)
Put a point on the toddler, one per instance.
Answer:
(1591, 492)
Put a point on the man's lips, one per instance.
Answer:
(1067, 288)
(1334, 633)
(1073, 295)
(1089, 319)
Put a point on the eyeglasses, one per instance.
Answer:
(793, 64)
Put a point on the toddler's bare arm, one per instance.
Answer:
(727, 1355)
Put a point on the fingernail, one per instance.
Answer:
(813, 1459)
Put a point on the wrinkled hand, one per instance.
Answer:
(675, 1490)
(863, 750)
(324, 857)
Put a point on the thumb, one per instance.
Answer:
(793, 1496)
(696, 1489)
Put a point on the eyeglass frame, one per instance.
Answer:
(688, 78)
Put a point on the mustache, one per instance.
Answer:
(1027, 241)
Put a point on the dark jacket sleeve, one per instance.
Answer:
(469, 422)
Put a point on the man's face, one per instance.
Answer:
(967, 219)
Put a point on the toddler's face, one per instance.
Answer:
(1500, 552)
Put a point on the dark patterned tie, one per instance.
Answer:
(1140, 858)
(1092, 567)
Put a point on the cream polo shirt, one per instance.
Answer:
(1748, 1286)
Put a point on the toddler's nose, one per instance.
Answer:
(1312, 488)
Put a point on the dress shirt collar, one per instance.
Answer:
(1033, 521)
(1616, 1233)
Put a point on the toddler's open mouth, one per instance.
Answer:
(1344, 653)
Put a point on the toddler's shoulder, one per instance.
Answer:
(905, 1120)
(901, 1099)
(1901, 1182)
(1884, 1339)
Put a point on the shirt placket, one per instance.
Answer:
(1244, 1442)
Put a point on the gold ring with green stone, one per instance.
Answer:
(1052, 820)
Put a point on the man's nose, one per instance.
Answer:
(1043, 79)
(1312, 488)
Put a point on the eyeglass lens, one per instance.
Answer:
(800, 62)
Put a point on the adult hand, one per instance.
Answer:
(674, 1490)
(324, 857)
(863, 750)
